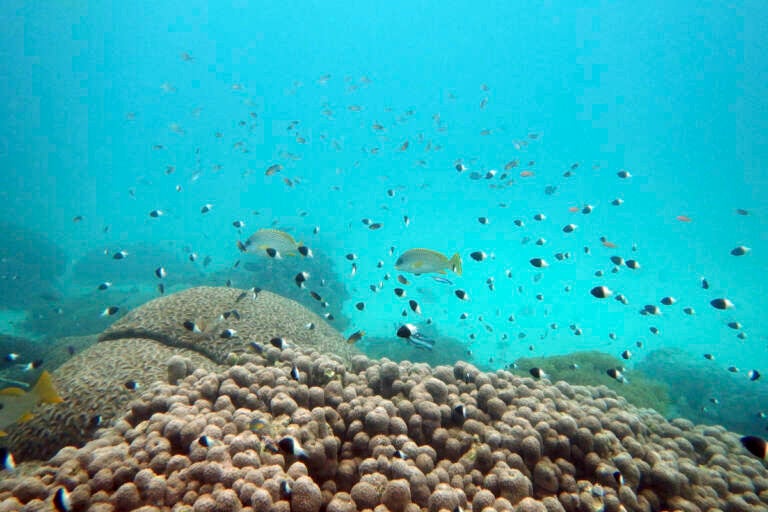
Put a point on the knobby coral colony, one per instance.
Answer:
(303, 432)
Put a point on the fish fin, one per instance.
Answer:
(455, 262)
(26, 417)
(13, 391)
(3, 433)
(45, 390)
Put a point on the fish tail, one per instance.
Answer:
(455, 262)
(45, 390)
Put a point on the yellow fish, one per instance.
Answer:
(17, 404)
(264, 239)
(425, 261)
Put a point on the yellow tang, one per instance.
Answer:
(425, 261)
(264, 239)
(17, 404)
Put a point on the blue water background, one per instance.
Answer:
(674, 93)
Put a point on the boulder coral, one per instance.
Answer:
(384, 436)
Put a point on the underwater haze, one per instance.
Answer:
(174, 130)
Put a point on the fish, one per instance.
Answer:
(17, 404)
(61, 500)
(276, 240)
(633, 264)
(104, 286)
(192, 326)
(132, 385)
(291, 446)
(757, 446)
(617, 202)
(461, 294)
(414, 306)
(623, 174)
(478, 255)
(442, 280)
(6, 460)
(206, 208)
(111, 310)
(538, 373)
(459, 413)
(355, 337)
(156, 213)
(278, 342)
(160, 272)
(539, 263)
(32, 365)
(740, 250)
(295, 375)
(601, 292)
(569, 228)
(426, 261)
(273, 169)
(227, 334)
(721, 303)
(300, 278)
(615, 373)
(120, 255)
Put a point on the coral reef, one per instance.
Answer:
(255, 316)
(389, 437)
(589, 367)
(277, 276)
(95, 382)
(30, 265)
(446, 349)
(95, 385)
(706, 392)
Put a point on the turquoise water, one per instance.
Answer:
(100, 99)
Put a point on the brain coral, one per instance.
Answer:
(260, 316)
(139, 348)
(95, 387)
(385, 436)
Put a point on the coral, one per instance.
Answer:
(693, 396)
(93, 384)
(260, 317)
(217, 441)
(641, 390)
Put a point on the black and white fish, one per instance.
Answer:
(757, 446)
(6, 460)
(111, 310)
(61, 500)
(290, 445)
